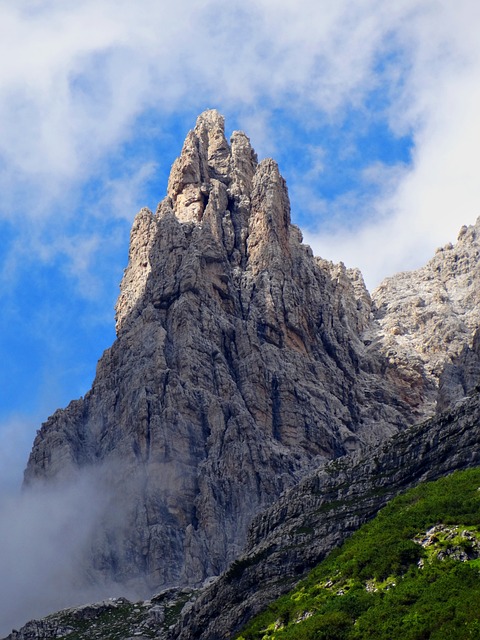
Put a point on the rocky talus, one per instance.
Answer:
(115, 618)
(239, 365)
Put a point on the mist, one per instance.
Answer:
(45, 535)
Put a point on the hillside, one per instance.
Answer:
(319, 514)
(413, 572)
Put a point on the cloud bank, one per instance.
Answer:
(51, 540)
(79, 76)
(45, 533)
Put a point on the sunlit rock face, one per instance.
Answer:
(428, 318)
(241, 363)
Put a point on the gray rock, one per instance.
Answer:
(429, 316)
(239, 365)
(113, 618)
(460, 376)
(242, 363)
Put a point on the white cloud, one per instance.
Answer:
(47, 532)
(122, 195)
(438, 101)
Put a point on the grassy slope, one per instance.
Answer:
(373, 587)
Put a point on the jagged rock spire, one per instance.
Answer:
(207, 160)
(240, 364)
(241, 204)
(255, 194)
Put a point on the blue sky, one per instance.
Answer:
(370, 109)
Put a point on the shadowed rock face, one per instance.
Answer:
(241, 363)
(460, 377)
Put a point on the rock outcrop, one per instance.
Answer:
(113, 618)
(239, 365)
(428, 317)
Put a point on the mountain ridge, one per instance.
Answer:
(238, 355)
(243, 363)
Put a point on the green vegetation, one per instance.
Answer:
(397, 577)
(111, 624)
(172, 611)
(118, 618)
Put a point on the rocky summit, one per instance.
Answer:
(243, 363)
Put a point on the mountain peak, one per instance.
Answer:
(241, 363)
(210, 119)
(208, 164)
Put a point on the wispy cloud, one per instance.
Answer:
(45, 534)
(15, 442)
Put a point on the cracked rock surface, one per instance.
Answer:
(241, 363)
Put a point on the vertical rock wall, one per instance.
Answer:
(241, 363)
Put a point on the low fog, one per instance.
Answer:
(44, 540)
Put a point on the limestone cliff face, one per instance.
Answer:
(460, 377)
(428, 317)
(240, 364)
